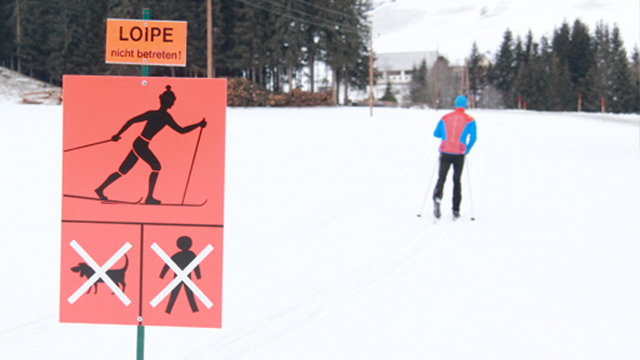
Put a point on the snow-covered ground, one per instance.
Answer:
(325, 257)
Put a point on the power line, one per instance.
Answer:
(328, 23)
(328, 10)
(306, 14)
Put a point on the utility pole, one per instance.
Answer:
(466, 75)
(18, 36)
(437, 83)
(370, 70)
(464, 82)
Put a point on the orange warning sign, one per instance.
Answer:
(146, 42)
(142, 200)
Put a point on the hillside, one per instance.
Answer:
(15, 87)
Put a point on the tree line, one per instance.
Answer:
(549, 74)
(270, 42)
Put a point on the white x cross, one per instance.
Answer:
(181, 276)
(100, 273)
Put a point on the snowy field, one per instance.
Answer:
(325, 257)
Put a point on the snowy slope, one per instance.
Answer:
(451, 27)
(325, 257)
(13, 87)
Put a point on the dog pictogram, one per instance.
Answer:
(117, 275)
(101, 273)
(182, 264)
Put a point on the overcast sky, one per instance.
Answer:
(451, 26)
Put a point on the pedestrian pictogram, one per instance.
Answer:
(143, 200)
(96, 273)
(182, 264)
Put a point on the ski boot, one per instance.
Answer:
(436, 208)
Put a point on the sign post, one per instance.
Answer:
(143, 188)
(146, 15)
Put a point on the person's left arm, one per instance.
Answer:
(183, 130)
(471, 134)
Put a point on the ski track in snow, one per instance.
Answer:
(318, 305)
(363, 201)
(26, 330)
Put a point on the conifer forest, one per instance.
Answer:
(267, 41)
(276, 42)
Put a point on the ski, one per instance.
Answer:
(107, 201)
(175, 204)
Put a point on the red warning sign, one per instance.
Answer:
(98, 280)
(182, 277)
(144, 150)
(143, 200)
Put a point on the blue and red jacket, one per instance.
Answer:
(457, 130)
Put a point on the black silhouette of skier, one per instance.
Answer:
(182, 259)
(156, 121)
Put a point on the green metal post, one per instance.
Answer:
(140, 348)
(146, 15)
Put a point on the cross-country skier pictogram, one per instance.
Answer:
(182, 258)
(156, 120)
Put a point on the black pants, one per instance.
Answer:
(446, 160)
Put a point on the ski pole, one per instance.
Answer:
(192, 162)
(88, 145)
(428, 189)
(470, 196)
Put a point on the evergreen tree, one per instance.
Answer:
(546, 50)
(560, 87)
(519, 53)
(33, 47)
(289, 39)
(530, 82)
(477, 74)
(635, 71)
(357, 75)
(599, 75)
(356, 68)
(580, 57)
(560, 43)
(343, 41)
(623, 93)
(77, 37)
(224, 21)
(251, 26)
(7, 47)
(504, 71)
(418, 88)
(388, 94)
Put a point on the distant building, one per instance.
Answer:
(397, 69)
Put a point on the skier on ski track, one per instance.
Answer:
(156, 121)
(457, 130)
